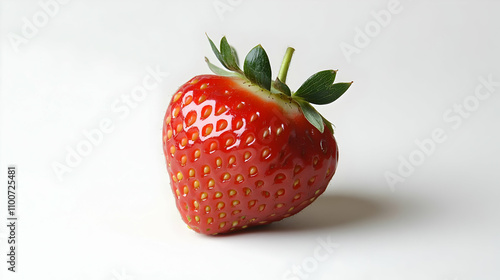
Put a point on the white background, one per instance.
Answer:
(112, 216)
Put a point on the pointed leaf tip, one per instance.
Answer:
(313, 116)
(257, 67)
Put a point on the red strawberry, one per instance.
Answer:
(242, 150)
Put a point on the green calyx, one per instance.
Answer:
(318, 89)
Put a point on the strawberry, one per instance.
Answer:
(243, 150)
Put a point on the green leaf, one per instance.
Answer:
(319, 88)
(257, 67)
(312, 115)
(328, 124)
(281, 87)
(329, 95)
(228, 54)
(235, 55)
(316, 83)
(216, 52)
(217, 70)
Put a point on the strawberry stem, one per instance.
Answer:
(285, 64)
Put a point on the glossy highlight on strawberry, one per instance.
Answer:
(239, 155)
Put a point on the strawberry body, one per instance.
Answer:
(239, 156)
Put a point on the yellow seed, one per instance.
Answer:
(245, 226)
(176, 111)
(239, 124)
(253, 170)
(253, 117)
(179, 176)
(220, 110)
(202, 98)
(194, 136)
(184, 142)
(280, 192)
(178, 193)
(315, 161)
(211, 183)
(296, 183)
(239, 178)
(207, 129)
(279, 205)
(213, 146)
(291, 209)
(265, 152)
(196, 204)
(232, 192)
(312, 199)
(186, 190)
(196, 184)
(229, 142)
(259, 184)
(247, 191)
(183, 160)
(311, 181)
(235, 223)
(203, 196)
(168, 120)
(169, 133)
(179, 127)
(232, 160)
(172, 149)
(188, 100)
(316, 192)
(190, 118)
(220, 205)
(252, 220)
(236, 212)
(240, 105)
(247, 155)
(221, 125)
(191, 172)
(207, 209)
(203, 86)
(206, 169)
(194, 81)
(210, 220)
(218, 195)
(221, 225)
(251, 203)
(265, 134)
(262, 207)
(235, 202)
(206, 111)
(222, 215)
(250, 139)
(197, 154)
(218, 162)
(279, 130)
(297, 169)
(197, 218)
(174, 178)
(226, 176)
(177, 96)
